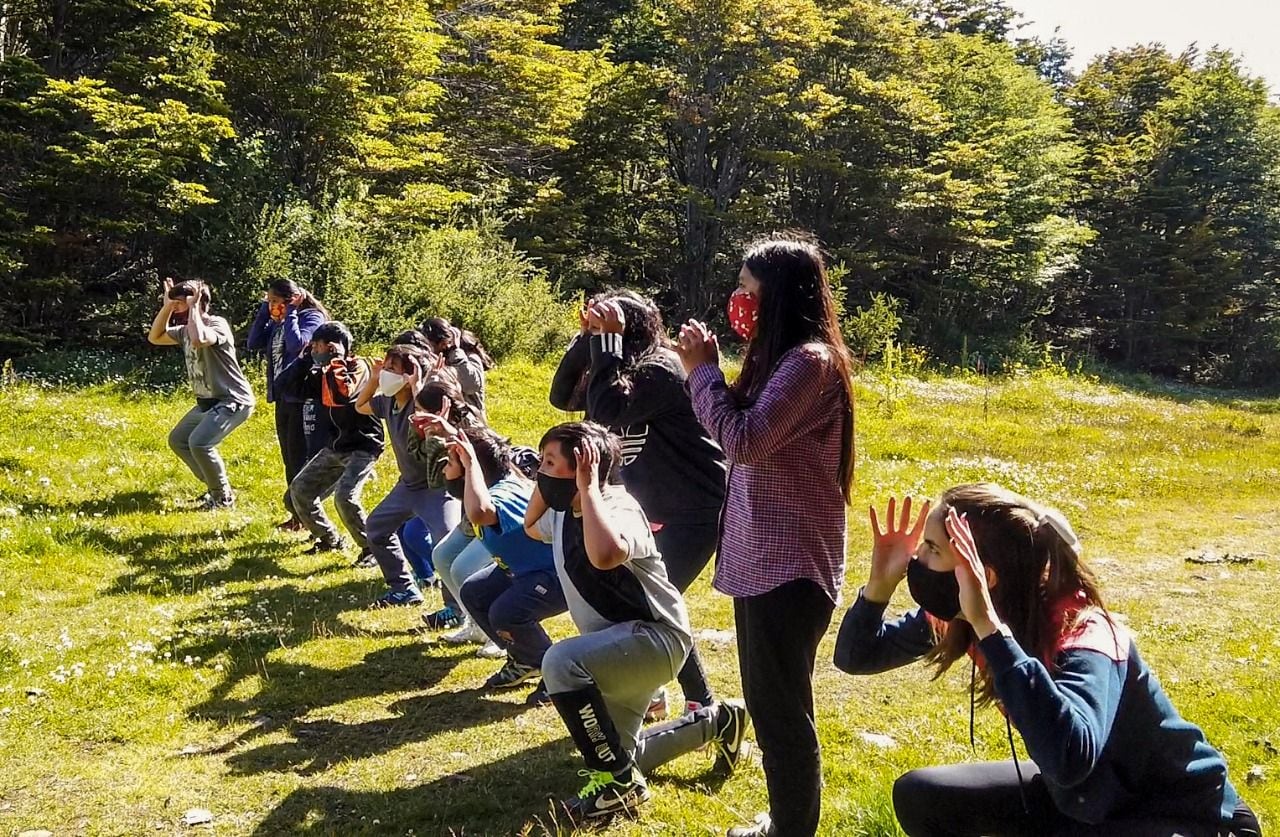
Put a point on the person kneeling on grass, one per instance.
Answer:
(634, 627)
(511, 596)
(1000, 578)
(329, 372)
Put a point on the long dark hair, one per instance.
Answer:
(493, 454)
(796, 307)
(644, 332)
(288, 289)
(443, 388)
(439, 330)
(1036, 569)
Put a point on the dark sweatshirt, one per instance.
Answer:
(282, 342)
(670, 464)
(335, 388)
(1108, 742)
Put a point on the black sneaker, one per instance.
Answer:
(512, 675)
(607, 794)
(445, 617)
(761, 826)
(731, 727)
(539, 696)
(365, 560)
(321, 546)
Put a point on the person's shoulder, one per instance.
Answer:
(1096, 630)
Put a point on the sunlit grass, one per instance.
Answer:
(154, 659)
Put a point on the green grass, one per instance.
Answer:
(190, 660)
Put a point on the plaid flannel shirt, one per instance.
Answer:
(784, 516)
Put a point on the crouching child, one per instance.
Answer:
(634, 628)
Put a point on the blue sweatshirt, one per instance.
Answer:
(1108, 742)
(297, 328)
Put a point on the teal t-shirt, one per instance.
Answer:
(506, 540)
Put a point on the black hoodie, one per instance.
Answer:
(335, 389)
(669, 462)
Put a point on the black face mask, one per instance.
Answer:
(455, 487)
(937, 592)
(558, 492)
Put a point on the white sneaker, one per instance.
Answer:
(468, 634)
(491, 651)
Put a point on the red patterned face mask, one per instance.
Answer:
(744, 313)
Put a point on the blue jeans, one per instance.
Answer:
(416, 542)
(458, 557)
(196, 437)
(509, 609)
(433, 506)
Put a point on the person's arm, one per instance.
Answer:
(200, 331)
(619, 401)
(867, 644)
(259, 338)
(469, 369)
(1066, 718)
(791, 398)
(567, 391)
(370, 389)
(301, 378)
(476, 500)
(159, 334)
(298, 327)
(606, 546)
(534, 515)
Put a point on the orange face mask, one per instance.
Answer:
(277, 311)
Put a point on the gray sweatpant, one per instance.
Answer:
(627, 662)
(344, 476)
(195, 439)
(432, 506)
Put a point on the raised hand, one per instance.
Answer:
(696, 346)
(971, 574)
(613, 320)
(588, 471)
(892, 548)
(460, 446)
(166, 285)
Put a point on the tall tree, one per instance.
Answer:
(109, 117)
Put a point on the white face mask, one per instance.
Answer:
(389, 383)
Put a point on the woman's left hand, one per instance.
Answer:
(696, 346)
(461, 447)
(612, 318)
(971, 574)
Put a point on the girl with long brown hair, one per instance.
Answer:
(786, 428)
(1001, 579)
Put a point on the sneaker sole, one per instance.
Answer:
(532, 675)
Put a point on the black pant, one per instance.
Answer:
(971, 800)
(778, 636)
(293, 445)
(686, 548)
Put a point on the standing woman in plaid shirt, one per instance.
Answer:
(786, 426)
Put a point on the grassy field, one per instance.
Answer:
(155, 659)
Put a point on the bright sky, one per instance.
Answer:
(1248, 28)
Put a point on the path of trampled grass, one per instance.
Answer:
(155, 660)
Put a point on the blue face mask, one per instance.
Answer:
(322, 359)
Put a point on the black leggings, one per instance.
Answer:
(293, 445)
(972, 800)
(686, 548)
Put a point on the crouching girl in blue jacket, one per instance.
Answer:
(1000, 579)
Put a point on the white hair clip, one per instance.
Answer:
(1059, 523)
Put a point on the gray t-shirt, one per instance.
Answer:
(414, 472)
(213, 369)
(638, 589)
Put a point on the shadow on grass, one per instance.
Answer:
(513, 795)
(166, 562)
(321, 744)
(1262, 401)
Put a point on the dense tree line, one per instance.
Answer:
(977, 197)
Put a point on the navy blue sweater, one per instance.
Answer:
(1108, 742)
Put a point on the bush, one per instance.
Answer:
(469, 275)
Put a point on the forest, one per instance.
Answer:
(494, 160)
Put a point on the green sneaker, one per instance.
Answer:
(607, 794)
